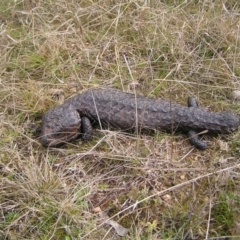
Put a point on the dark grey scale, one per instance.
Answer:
(128, 108)
(165, 110)
(107, 109)
(121, 106)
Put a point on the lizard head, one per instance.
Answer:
(59, 125)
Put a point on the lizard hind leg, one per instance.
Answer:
(192, 134)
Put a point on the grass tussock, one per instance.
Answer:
(156, 185)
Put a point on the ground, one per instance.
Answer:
(155, 185)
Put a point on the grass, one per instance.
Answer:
(156, 185)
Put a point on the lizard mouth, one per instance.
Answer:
(56, 139)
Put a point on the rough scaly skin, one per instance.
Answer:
(111, 107)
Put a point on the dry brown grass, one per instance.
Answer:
(155, 185)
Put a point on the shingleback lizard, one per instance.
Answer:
(126, 111)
